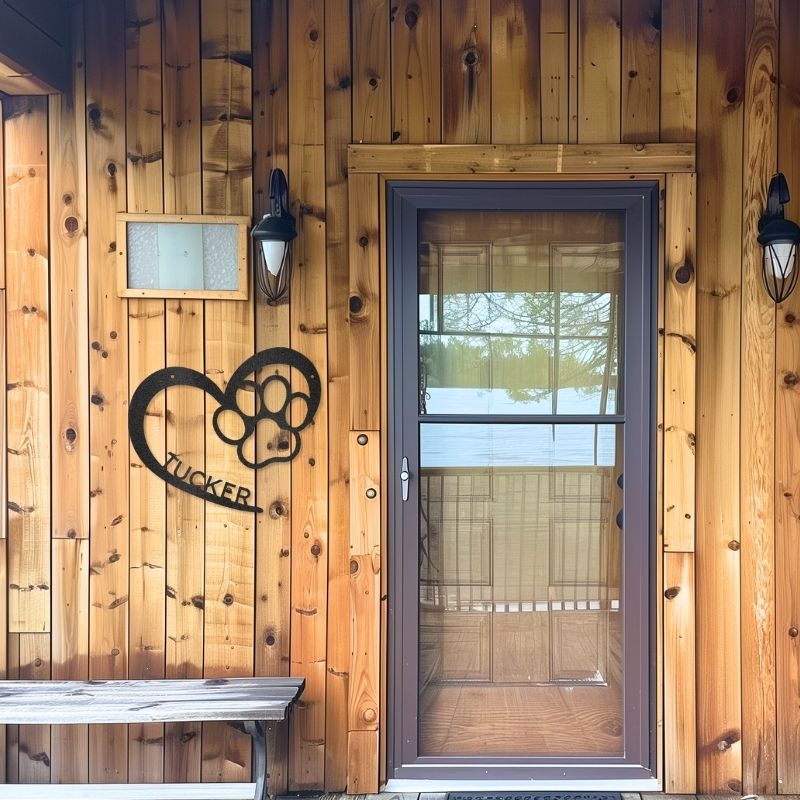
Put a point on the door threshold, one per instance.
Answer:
(419, 786)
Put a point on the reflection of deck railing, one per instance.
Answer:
(502, 537)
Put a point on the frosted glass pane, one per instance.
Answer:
(180, 256)
(184, 256)
(219, 257)
(142, 255)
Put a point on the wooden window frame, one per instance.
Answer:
(243, 257)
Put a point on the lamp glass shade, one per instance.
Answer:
(780, 273)
(274, 253)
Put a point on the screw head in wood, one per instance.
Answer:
(371, 493)
(362, 439)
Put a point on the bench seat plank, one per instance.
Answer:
(106, 702)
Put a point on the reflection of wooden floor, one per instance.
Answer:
(470, 719)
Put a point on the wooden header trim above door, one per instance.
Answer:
(502, 159)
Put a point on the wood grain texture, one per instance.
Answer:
(309, 625)
(372, 69)
(185, 410)
(466, 63)
(2, 210)
(641, 70)
(680, 348)
(554, 69)
(226, 81)
(678, 70)
(516, 79)
(517, 159)
(146, 337)
(365, 610)
(679, 677)
(757, 476)
(787, 443)
(272, 484)
(364, 316)
(719, 221)
(599, 71)
(338, 104)
(108, 374)
(69, 756)
(27, 364)
(416, 69)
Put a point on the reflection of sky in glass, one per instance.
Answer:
(499, 445)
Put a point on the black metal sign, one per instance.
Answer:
(197, 481)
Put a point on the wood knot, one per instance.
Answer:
(228, 599)
(684, 273)
(470, 59)
(313, 35)
(198, 601)
(793, 632)
(733, 94)
(71, 224)
(362, 439)
(790, 318)
(277, 510)
(791, 379)
(270, 639)
(95, 115)
(315, 550)
(353, 566)
(412, 16)
(356, 304)
(632, 74)
(734, 545)
(672, 592)
(115, 651)
(373, 82)
(363, 240)
(369, 715)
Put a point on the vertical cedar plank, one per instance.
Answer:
(2, 216)
(641, 65)
(678, 70)
(679, 678)
(70, 657)
(365, 590)
(185, 539)
(757, 473)
(680, 355)
(719, 220)
(338, 116)
(787, 421)
(226, 78)
(466, 72)
(146, 356)
(599, 66)
(517, 81)
(554, 68)
(34, 740)
(273, 484)
(308, 326)
(69, 311)
(372, 87)
(108, 375)
(365, 395)
(27, 364)
(416, 85)
(572, 55)
(12, 731)
(4, 638)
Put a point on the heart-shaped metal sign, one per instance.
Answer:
(200, 483)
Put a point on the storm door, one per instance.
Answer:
(521, 389)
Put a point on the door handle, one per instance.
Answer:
(404, 476)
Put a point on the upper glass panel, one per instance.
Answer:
(520, 312)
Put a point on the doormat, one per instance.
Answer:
(534, 796)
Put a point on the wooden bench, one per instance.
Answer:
(245, 703)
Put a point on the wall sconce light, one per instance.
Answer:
(779, 237)
(272, 242)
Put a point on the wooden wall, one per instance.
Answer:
(183, 106)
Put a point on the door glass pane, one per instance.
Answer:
(519, 312)
(520, 643)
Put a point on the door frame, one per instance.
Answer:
(640, 202)
(370, 167)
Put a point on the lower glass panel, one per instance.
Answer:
(519, 600)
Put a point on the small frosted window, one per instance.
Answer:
(183, 256)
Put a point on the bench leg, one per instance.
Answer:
(257, 731)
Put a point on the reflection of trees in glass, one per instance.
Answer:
(525, 343)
